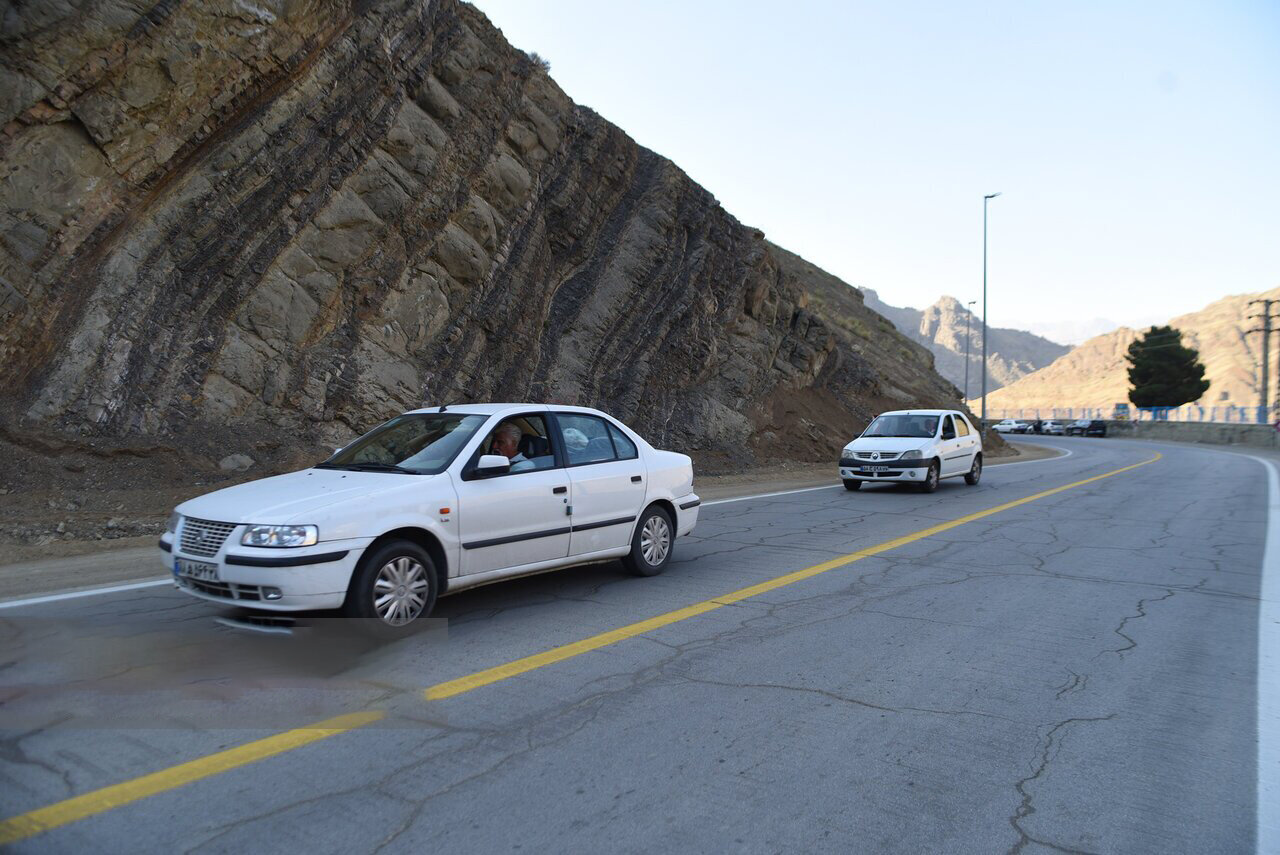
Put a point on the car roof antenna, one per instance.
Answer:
(443, 407)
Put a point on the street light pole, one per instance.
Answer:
(985, 199)
(968, 313)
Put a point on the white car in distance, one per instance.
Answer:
(1052, 428)
(918, 447)
(434, 501)
(1010, 426)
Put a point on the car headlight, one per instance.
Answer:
(280, 535)
(172, 525)
(910, 455)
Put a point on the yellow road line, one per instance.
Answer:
(99, 801)
(511, 669)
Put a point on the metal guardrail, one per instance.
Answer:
(1220, 414)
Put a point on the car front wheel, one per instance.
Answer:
(930, 479)
(651, 544)
(394, 585)
(852, 483)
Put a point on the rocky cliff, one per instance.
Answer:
(1011, 354)
(1096, 375)
(303, 216)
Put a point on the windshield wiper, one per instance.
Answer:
(368, 467)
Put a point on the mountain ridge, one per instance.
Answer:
(1095, 374)
(940, 327)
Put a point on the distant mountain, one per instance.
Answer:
(1070, 333)
(1095, 374)
(1011, 354)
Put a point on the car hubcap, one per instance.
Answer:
(400, 591)
(655, 540)
(977, 468)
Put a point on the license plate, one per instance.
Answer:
(876, 468)
(195, 570)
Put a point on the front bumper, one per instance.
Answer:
(857, 471)
(285, 580)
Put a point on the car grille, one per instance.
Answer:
(203, 537)
(883, 455)
(225, 590)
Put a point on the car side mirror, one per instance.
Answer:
(492, 464)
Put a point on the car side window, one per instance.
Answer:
(586, 439)
(625, 447)
(962, 427)
(524, 441)
(948, 429)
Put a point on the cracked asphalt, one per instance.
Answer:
(1074, 674)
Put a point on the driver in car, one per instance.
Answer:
(506, 441)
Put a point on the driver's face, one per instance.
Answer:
(505, 445)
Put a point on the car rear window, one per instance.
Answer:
(586, 439)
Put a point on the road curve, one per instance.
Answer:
(1008, 667)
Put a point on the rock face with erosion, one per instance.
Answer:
(305, 216)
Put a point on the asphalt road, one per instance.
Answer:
(1075, 672)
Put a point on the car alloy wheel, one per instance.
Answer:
(655, 540)
(400, 591)
(651, 542)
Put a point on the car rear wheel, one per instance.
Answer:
(393, 586)
(930, 482)
(975, 471)
(651, 544)
(852, 483)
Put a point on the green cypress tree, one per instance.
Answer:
(1163, 372)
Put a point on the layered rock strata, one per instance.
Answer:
(308, 215)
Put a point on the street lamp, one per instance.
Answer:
(968, 313)
(985, 199)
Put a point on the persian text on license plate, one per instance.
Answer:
(196, 570)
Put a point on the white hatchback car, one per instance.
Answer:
(435, 501)
(914, 446)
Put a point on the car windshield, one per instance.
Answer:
(903, 425)
(415, 444)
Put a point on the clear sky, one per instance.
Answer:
(1137, 145)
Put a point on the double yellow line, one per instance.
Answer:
(77, 808)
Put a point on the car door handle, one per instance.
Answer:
(635, 479)
(559, 490)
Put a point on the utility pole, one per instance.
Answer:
(1264, 388)
(985, 200)
(968, 313)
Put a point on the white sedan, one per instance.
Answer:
(918, 447)
(435, 501)
(1011, 426)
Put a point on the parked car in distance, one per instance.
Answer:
(435, 501)
(1011, 426)
(1052, 428)
(919, 447)
(1087, 427)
